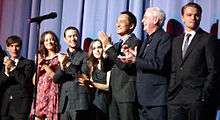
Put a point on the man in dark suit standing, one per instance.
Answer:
(2, 55)
(123, 76)
(195, 70)
(74, 98)
(153, 66)
(16, 81)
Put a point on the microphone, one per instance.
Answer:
(51, 15)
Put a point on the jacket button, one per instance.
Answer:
(181, 68)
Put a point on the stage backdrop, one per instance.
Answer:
(89, 16)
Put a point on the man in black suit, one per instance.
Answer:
(123, 76)
(153, 66)
(2, 55)
(74, 98)
(16, 81)
(195, 70)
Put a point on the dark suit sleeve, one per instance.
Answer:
(23, 75)
(84, 67)
(65, 75)
(3, 79)
(2, 55)
(112, 59)
(173, 58)
(59, 76)
(156, 63)
(212, 59)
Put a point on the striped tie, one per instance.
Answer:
(186, 44)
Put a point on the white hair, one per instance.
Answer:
(158, 13)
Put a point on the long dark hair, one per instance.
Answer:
(92, 62)
(43, 51)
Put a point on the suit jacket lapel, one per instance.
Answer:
(178, 59)
(179, 49)
(142, 48)
(20, 62)
(154, 40)
(130, 41)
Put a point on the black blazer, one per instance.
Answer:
(123, 76)
(18, 87)
(72, 94)
(2, 55)
(153, 66)
(194, 77)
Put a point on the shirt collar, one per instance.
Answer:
(192, 32)
(126, 37)
(16, 60)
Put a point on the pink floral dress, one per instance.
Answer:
(47, 92)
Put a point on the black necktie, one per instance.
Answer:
(148, 41)
(186, 44)
(119, 48)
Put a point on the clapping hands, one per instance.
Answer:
(82, 79)
(9, 64)
(63, 59)
(129, 55)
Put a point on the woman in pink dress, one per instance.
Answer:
(47, 95)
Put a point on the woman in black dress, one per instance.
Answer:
(99, 79)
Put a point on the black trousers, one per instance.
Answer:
(75, 115)
(69, 113)
(194, 111)
(153, 112)
(122, 110)
(11, 114)
(98, 114)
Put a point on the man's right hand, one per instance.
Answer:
(63, 60)
(62, 57)
(105, 39)
(9, 65)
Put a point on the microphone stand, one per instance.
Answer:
(36, 73)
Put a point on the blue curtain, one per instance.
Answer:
(218, 115)
(14, 21)
(89, 16)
